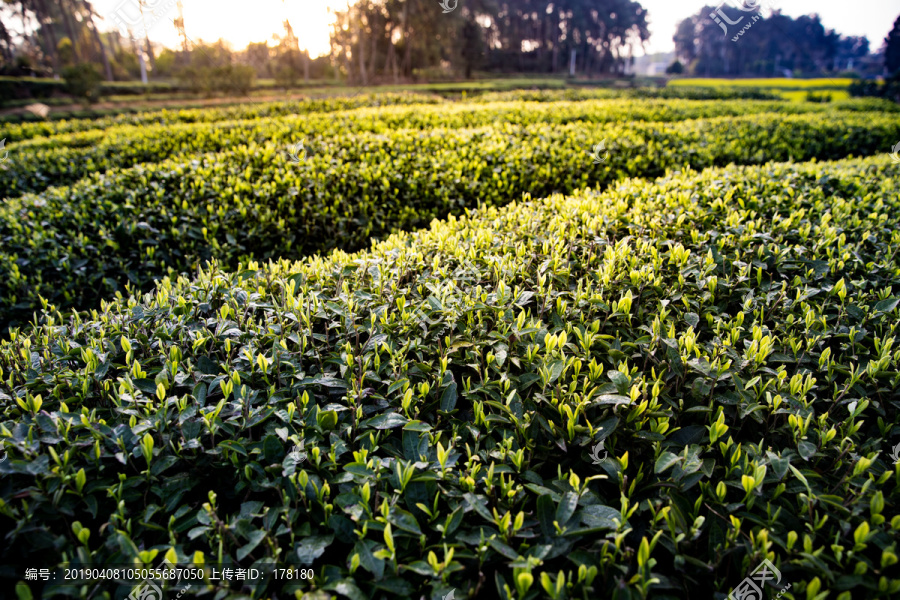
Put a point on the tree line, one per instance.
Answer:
(379, 41)
(727, 42)
(395, 39)
(372, 40)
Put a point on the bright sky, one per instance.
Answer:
(244, 21)
(237, 21)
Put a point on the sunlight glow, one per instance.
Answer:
(239, 22)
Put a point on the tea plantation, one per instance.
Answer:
(519, 347)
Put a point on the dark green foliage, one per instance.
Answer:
(83, 81)
(892, 49)
(729, 336)
(888, 89)
(820, 98)
(63, 159)
(37, 88)
(676, 68)
(76, 246)
(231, 79)
(27, 131)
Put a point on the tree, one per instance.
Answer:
(685, 39)
(6, 48)
(46, 22)
(472, 47)
(710, 42)
(89, 19)
(70, 29)
(892, 49)
(404, 37)
(286, 57)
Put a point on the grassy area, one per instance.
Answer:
(801, 95)
(779, 83)
(795, 90)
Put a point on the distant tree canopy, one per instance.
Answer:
(711, 44)
(892, 49)
(376, 41)
(51, 35)
(371, 40)
(395, 39)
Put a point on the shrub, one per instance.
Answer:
(676, 68)
(888, 89)
(28, 131)
(229, 79)
(83, 81)
(729, 338)
(823, 97)
(64, 159)
(240, 79)
(76, 246)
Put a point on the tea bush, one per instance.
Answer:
(63, 159)
(75, 246)
(728, 335)
(26, 131)
(669, 92)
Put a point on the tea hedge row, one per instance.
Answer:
(424, 417)
(669, 93)
(25, 131)
(36, 165)
(578, 95)
(249, 110)
(75, 246)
